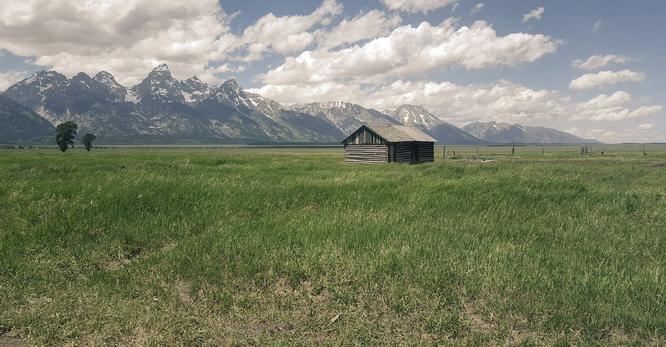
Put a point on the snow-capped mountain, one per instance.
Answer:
(159, 87)
(414, 115)
(344, 115)
(194, 90)
(230, 103)
(495, 132)
(107, 86)
(39, 90)
(443, 132)
(93, 103)
(163, 109)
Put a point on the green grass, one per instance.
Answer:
(267, 246)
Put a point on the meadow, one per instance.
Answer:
(293, 246)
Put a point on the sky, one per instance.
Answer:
(594, 68)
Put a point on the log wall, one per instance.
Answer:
(370, 154)
(426, 152)
(412, 152)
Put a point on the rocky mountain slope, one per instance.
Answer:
(20, 123)
(344, 115)
(443, 132)
(495, 132)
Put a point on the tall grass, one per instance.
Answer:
(264, 246)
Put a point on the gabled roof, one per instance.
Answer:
(400, 133)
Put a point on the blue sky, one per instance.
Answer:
(464, 60)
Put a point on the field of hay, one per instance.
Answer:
(293, 246)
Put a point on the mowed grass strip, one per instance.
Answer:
(256, 246)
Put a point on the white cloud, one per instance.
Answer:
(8, 78)
(126, 37)
(505, 101)
(130, 37)
(282, 35)
(645, 111)
(597, 61)
(415, 6)
(597, 26)
(365, 26)
(411, 51)
(501, 101)
(645, 126)
(605, 78)
(477, 8)
(612, 107)
(535, 14)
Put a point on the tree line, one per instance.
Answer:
(65, 134)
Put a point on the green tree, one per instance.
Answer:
(65, 133)
(88, 140)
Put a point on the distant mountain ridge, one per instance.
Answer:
(162, 109)
(443, 132)
(504, 133)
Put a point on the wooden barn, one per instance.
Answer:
(388, 144)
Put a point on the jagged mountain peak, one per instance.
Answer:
(81, 77)
(341, 104)
(107, 79)
(158, 86)
(195, 80)
(194, 90)
(414, 115)
(231, 85)
(345, 116)
(160, 72)
(194, 83)
(103, 75)
(42, 76)
(412, 107)
(162, 68)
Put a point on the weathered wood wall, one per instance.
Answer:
(403, 152)
(364, 136)
(366, 154)
(426, 152)
(412, 152)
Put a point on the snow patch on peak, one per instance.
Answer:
(132, 96)
(106, 79)
(161, 68)
(30, 80)
(414, 115)
(104, 76)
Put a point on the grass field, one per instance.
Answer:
(292, 246)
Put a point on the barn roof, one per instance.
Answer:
(400, 133)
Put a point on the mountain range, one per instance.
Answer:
(504, 133)
(162, 109)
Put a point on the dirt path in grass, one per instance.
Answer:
(11, 342)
